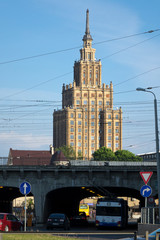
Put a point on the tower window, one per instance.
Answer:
(79, 130)
(71, 136)
(109, 123)
(117, 145)
(72, 122)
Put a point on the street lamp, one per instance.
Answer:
(157, 140)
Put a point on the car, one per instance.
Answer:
(9, 222)
(58, 220)
(79, 219)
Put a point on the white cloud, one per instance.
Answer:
(23, 142)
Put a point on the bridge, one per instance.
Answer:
(60, 188)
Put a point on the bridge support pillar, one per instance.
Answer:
(39, 200)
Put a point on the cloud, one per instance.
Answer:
(23, 142)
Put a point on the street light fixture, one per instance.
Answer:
(157, 140)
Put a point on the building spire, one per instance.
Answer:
(87, 35)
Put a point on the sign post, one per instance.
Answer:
(146, 190)
(25, 189)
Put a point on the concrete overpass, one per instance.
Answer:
(60, 188)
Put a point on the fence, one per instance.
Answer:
(149, 215)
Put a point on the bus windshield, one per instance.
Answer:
(108, 211)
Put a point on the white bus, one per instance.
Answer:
(111, 213)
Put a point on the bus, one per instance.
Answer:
(111, 213)
(84, 208)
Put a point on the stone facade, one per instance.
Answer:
(87, 120)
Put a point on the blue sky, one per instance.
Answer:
(31, 88)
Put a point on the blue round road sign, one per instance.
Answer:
(25, 188)
(146, 191)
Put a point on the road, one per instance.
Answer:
(90, 233)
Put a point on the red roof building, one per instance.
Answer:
(29, 157)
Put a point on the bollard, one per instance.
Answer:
(147, 235)
(157, 235)
(135, 235)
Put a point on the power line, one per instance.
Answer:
(73, 48)
(148, 71)
(134, 45)
(37, 85)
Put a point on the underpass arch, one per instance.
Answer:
(67, 199)
(8, 194)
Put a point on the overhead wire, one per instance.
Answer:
(72, 71)
(73, 48)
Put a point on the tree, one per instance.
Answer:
(104, 154)
(29, 205)
(69, 152)
(125, 155)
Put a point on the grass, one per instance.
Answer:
(35, 236)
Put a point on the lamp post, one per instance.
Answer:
(157, 140)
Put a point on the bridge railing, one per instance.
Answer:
(149, 215)
(110, 163)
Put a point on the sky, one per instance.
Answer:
(39, 43)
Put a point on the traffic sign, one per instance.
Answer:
(146, 176)
(25, 188)
(146, 191)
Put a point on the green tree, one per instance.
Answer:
(125, 155)
(29, 205)
(69, 152)
(104, 154)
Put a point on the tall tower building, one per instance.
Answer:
(87, 120)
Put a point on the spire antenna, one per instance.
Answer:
(87, 35)
(87, 22)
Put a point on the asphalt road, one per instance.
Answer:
(91, 233)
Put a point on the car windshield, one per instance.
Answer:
(1, 216)
(57, 216)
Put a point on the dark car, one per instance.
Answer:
(79, 219)
(8, 222)
(58, 220)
